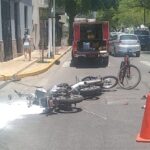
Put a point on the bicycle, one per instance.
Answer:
(129, 75)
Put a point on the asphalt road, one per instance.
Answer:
(110, 122)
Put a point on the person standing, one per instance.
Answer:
(27, 45)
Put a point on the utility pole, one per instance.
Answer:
(54, 14)
(50, 29)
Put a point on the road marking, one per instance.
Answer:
(92, 113)
(66, 64)
(117, 102)
(145, 63)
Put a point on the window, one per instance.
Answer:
(128, 37)
(113, 37)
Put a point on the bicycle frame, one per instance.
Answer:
(125, 66)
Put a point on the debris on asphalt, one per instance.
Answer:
(126, 103)
(143, 107)
(57, 62)
(144, 97)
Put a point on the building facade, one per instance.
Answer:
(40, 23)
(15, 17)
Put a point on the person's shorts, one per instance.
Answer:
(26, 46)
(27, 49)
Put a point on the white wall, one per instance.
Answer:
(29, 21)
(30, 18)
(36, 20)
(36, 23)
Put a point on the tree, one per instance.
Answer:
(144, 3)
(74, 7)
(139, 13)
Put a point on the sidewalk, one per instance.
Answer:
(20, 68)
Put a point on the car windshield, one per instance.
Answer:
(128, 37)
(142, 32)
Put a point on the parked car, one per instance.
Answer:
(144, 38)
(122, 43)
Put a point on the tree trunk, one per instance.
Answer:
(70, 39)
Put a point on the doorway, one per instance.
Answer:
(17, 28)
(6, 29)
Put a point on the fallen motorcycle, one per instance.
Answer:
(92, 86)
(56, 100)
(63, 96)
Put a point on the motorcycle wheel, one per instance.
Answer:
(67, 108)
(90, 91)
(87, 78)
(109, 82)
(73, 99)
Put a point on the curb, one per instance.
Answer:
(20, 75)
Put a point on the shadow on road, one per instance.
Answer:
(64, 111)
(145, 52)
(86, 63)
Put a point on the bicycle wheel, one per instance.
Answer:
(129, 77)
(109, 82)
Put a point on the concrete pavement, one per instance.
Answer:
(20, 68)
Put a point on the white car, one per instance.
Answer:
(120, 44)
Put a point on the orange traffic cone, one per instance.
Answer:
(144, 135)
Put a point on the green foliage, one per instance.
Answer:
(144, 3)
(128, 13)
(118, 12)
(107, 9)
(131, 12)
(107, 4)
(84, 6)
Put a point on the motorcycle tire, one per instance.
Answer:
(73, 99)
(68, 110)
(87, 78)
(109, 82)
(90, 91)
